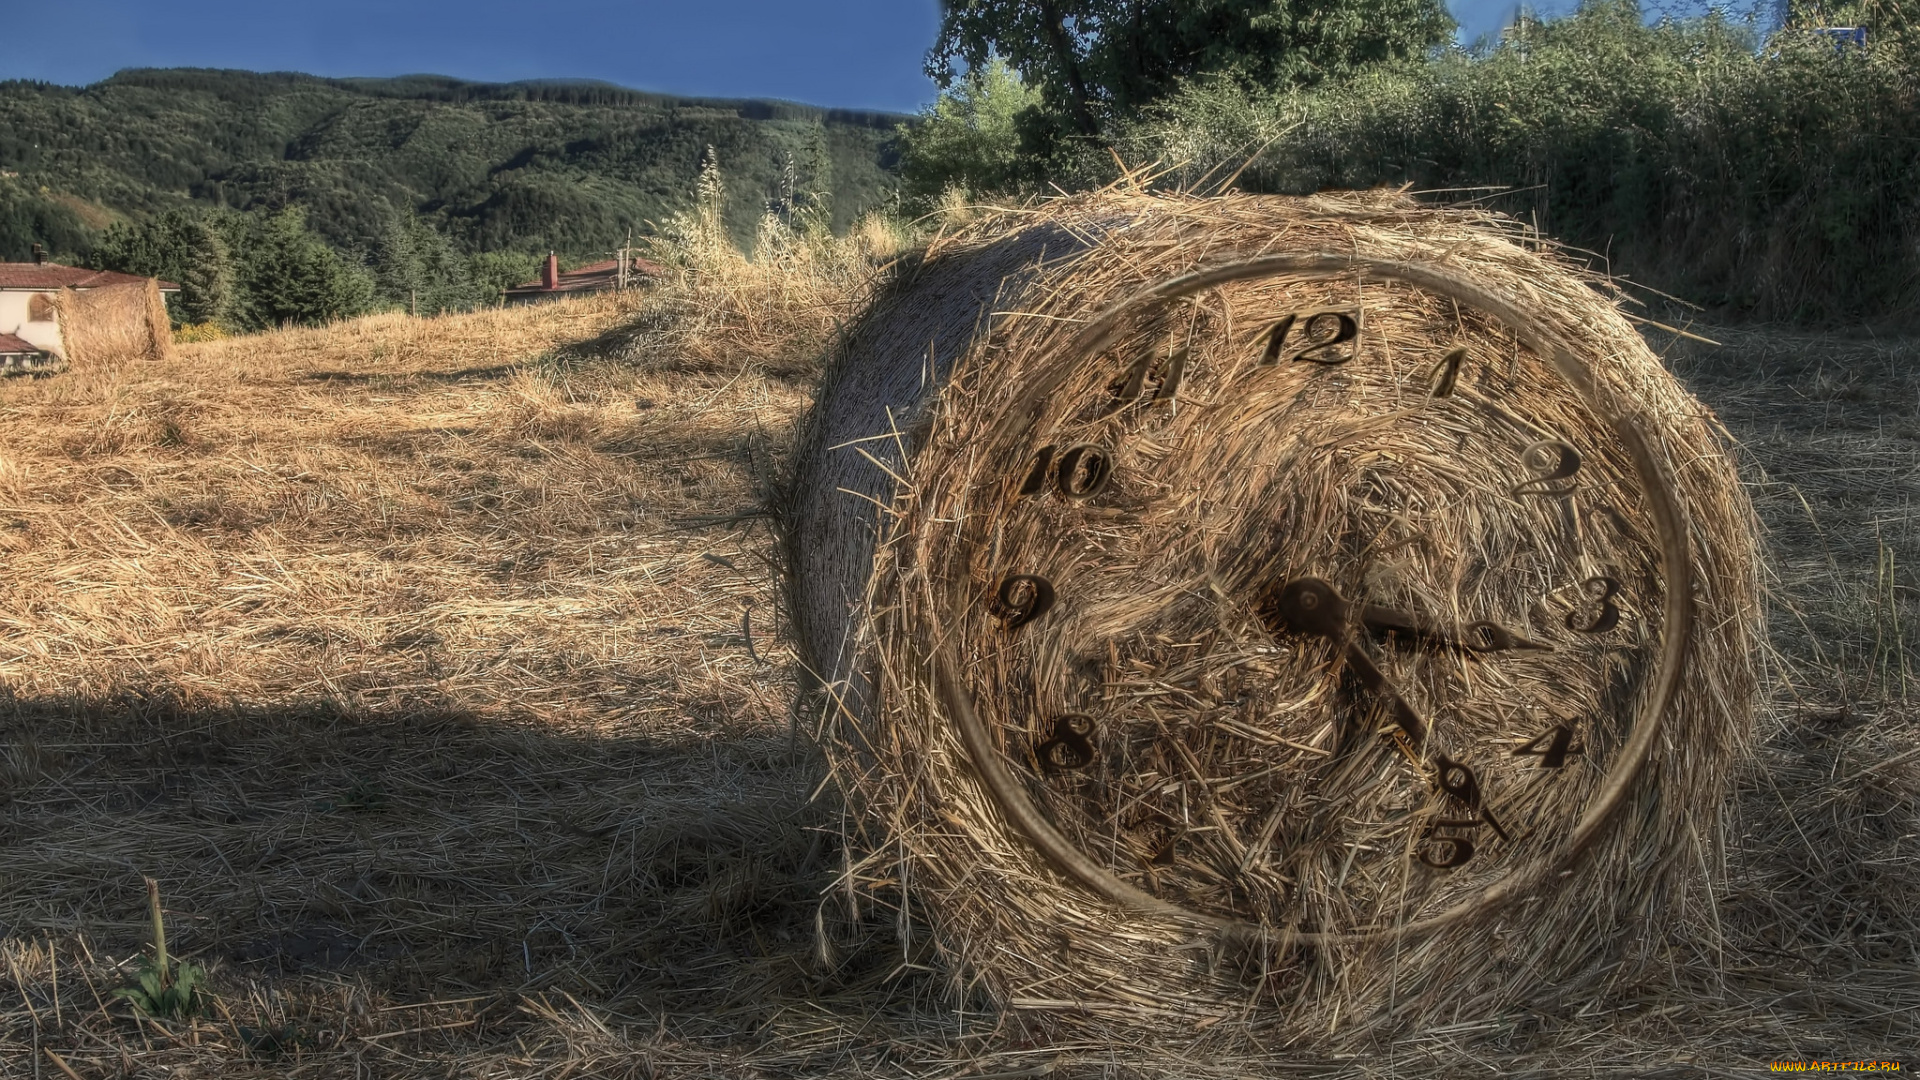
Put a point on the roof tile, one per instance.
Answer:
(590, 278)
(49, 276)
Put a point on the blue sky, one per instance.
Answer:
(848, 53)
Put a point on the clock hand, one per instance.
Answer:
(1310, 606)
(1476, 637)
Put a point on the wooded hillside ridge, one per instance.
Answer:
(563, 165)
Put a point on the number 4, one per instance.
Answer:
(1551, 747)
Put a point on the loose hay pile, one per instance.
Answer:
(1158, 815)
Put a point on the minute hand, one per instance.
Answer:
(1310, 606)
(1476, 637)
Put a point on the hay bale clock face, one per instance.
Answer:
(1305, 595)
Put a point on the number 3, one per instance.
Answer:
(1599, 591)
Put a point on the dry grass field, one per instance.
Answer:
(433, 669)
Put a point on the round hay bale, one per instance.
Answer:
(113, 325)
(1313, 614)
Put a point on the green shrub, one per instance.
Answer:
(1782, 182)
(494, 272)
(969, 138)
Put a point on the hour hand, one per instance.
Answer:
(1476, 637)
(1312, 607)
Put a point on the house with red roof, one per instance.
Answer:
(592, 278)
(31, 335)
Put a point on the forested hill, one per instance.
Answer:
(569, 166)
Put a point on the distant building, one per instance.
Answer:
(19, 355)
(31, 299)
(597, 277)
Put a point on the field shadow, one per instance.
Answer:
(489, 373)
(424, 853)
(1817, 924)
(606, 902)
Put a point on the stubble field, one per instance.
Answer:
(433, 668)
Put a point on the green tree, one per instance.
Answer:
(1093, 60)
(206, 279)
(29, 217)
(802, 196)
(970, 137)
(152, 248)
(288, 275)
(1776, 181)
(417, 268)
(494, 272)
(178, 246)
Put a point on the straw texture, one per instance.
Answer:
(113, 325)
(1214, 760)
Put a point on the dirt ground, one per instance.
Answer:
(432, 667)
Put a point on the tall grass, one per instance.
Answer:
(1780, 181)
(778, 304)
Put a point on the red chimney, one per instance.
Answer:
(550, 275)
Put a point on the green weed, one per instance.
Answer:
(164, 988)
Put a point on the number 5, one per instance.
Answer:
(1458, 850)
